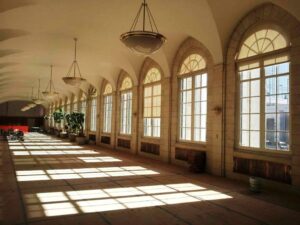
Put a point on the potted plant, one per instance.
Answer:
(78, 119)
(71, 127)
(255, 184)
(58, 116)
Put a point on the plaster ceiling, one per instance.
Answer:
(37, 33)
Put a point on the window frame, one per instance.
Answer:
(104, 95)
(152, 84)
(179, 78)
(260, 58)
(94, 98)
(126, 91)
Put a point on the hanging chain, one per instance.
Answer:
(144, 6)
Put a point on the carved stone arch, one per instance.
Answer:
(147, 65)
(122, 75)
(283, 21)
(103, 85)
(267, 13)
(188, 47)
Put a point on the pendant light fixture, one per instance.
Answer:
(74, 77)
(142, 40)
(50, 90)
(38, 100)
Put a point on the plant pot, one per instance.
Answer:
(255, 184)
(80, 140)
(63, 134)
(72, 137)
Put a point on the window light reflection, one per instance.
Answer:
(119, 198)
(60, 174)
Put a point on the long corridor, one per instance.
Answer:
(45, 180)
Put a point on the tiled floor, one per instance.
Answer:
(44, 180)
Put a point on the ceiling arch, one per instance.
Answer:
(37, 33)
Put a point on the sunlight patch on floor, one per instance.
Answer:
(49, 204)
(79, 173)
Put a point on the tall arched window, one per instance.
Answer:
(93, 119)
(152, 103)
(50, 116)
(263, 69)
(193, 99)
(68, 107)
(83, 107)
(75, 105)
(107, 108)
(126, 106)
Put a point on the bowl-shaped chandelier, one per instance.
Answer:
(74, 77)
(50, 92)
(38, 100)
(142, 40)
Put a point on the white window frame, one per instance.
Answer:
(107, 109)
(192, 75)
(126, 112)
(260, 59)
(93, 114)
(152, 85)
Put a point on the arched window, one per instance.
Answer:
(126, 106)
(93, 118)
(75, 105)
(263, 69)
(107, 108)
(152, 103)
(83, 107)
(193, 99)
(50, 116)
(68, 107)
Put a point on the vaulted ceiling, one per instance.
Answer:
(37, 33)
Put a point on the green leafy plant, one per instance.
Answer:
(58, 116)
(75, 122)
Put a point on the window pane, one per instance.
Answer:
(254, 122)
(197, 136)
(283, 122)
(270, 104)
(203, 94)
(245, 138)
(197, 81)
(270, 86)
(204, 80)
(254, 139)
(203, 107)
(283, 140)
(270, 70)
(283, 68)
(283, 103)
(203, 121)
(271, 142)
(245, 105)
(245, 122)
(245, 89)
(203, 135)
(254, 73)
(255, 105)
(283, 84)
(270, 122)
(255, 88)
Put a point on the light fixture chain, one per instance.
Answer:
(144, 15)
(136, 19)
(151, 18)
(51, 78)
(78, 69)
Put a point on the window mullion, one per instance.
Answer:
(262, 105)
(193, 107)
